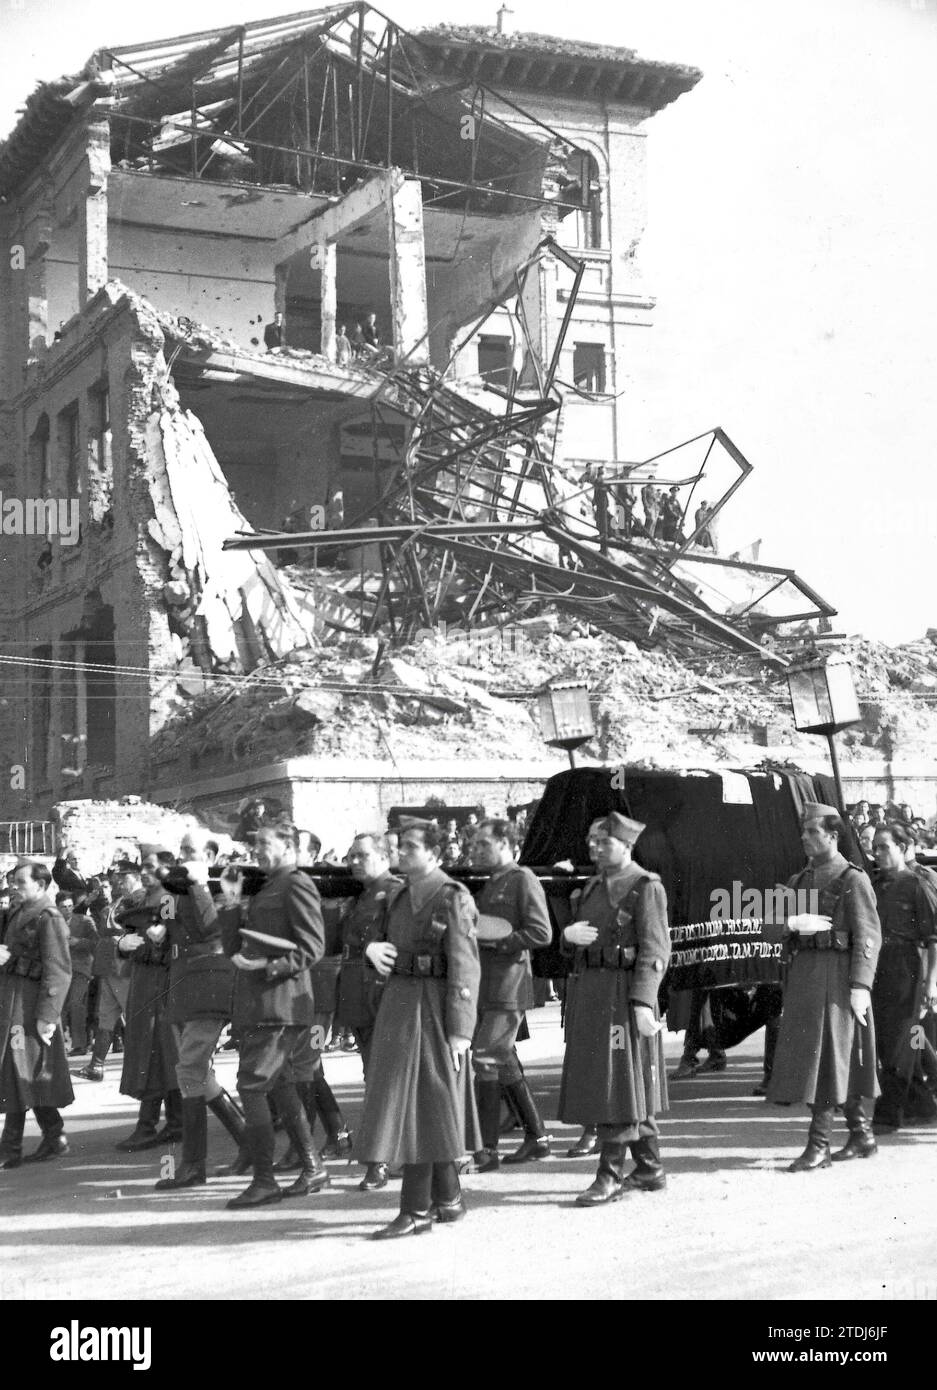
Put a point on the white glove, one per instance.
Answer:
(232, 889)
(859, 1001)
(382, 955)
(580, 933)
(457, 1047)
(197, 869)
(46, 1032)
(809, 923)
(4, 954)
(156, 933)
(648, 1026)
(130, 942)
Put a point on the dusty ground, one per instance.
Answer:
(731, 1225)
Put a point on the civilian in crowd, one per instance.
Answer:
(68, 876)
(343, 352)
(82, 936)
(111, 985)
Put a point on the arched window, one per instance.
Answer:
(584, 229)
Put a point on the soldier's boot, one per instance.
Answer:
(609, 1183)
(191, 1170)
(230, 1114)
(338, 1135)
(648, 1174)
(586, 1145)
(171, 1131)
(94, 1071)
(447, 1203)
(261, 1141)
(415, 1199)
(488, 1100)
(861, 1142)
(307, 1095)
(817, 1152)
(146, 1134)
(375, 1177)
(53, 1143)
(11, 1140)
(313, 1174)
(536, 1145)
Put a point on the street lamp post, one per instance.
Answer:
(565, 715)
(823, 700)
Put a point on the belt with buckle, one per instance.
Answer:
(423, 964)
(610, 957)
(820, 941)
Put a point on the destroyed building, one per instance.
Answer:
(200, 229)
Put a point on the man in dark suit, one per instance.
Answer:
(274, 1008)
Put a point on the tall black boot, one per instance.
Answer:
(146, 1135)
(313, 1174)
(94, 1071)
(306, 1090)
(586, 1145)
(53, 1143)
(648, 1175)
(338, 1140)
(488, 1100)
(171, 1131)
(261, 1141)
(817, 1152)
(861, 1142)
(191, 1171)
(11, 1140)
(225, 1109)
(536, 1145)
(446, 1194)
(609, 1184)
(415, 1200)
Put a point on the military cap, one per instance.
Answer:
(816, 810)
(622, 828)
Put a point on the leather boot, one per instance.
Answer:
(53, 1143)
(648, 1175)
(171, 1131)
(609, 1183)
(11, 1141)
(313, 1174)
(536, 1145)
(338, 1142)
(263, 1187)
(861, 1142)
(191, 1171)
(225, 1109)
(817, 1152)
(488, 1100)
(375, 1177)
(146, 1134)
(447, 1203)
(586, 1145)
(415, 1198)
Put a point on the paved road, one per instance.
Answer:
(731, 1225)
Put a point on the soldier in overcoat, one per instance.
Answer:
(826, 1053)
(35, 973)
(274, 1009)
(150, 1054)
(359, 987)
(613, 1071)
(513, 895)
(419, 1106)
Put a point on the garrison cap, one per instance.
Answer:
(816, 809)
(622, 828)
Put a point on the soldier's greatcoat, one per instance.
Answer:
(359, 992)
(824, 1056)
(611, 1075)
(33, 987)
(150, 1054)
(418, 1108)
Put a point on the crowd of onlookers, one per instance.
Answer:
(866, 816)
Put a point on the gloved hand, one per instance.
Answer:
(809, 923)
(382, 955)
(457, 1048)
(859, 1001)
(4, 954)
(648, 1025)
(131, 942)
(197, 869)
(156, 933)
(580, 933)
(46, 1032)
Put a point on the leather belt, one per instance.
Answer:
(609, 957)
(425, 965)
(821, 941)
(350, 953)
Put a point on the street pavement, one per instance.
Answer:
(731, 1225)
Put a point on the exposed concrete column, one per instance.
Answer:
(327, 256)
(408, 271)
(92, 216)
